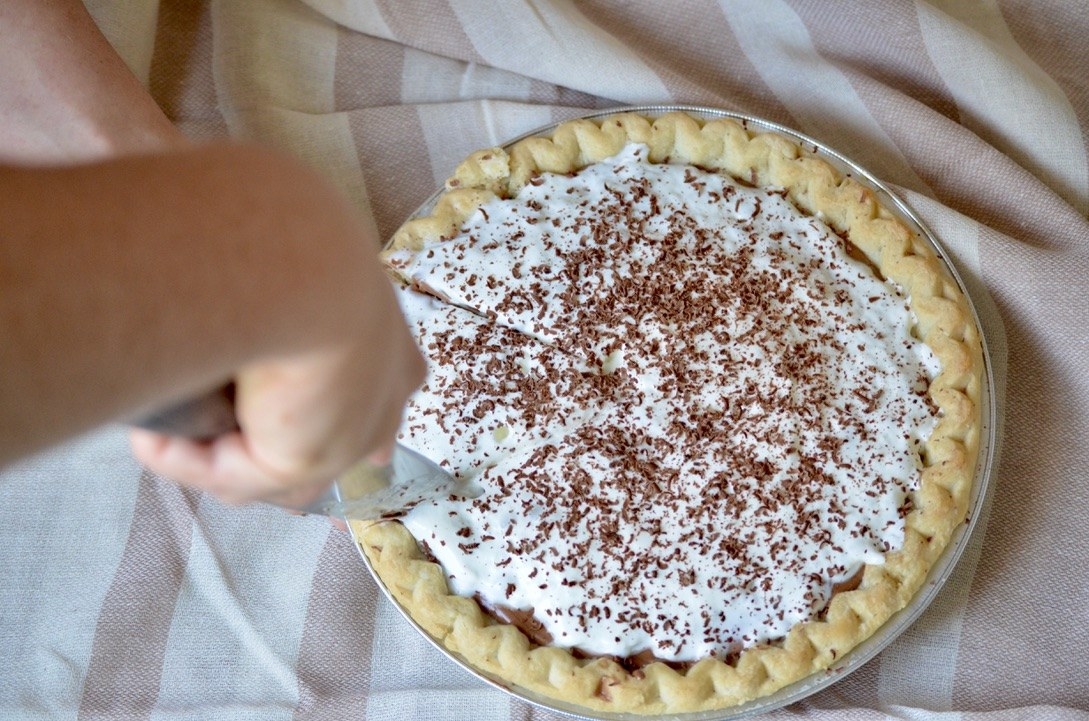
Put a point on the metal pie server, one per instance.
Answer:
(367, 491)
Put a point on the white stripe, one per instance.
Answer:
(908, 713)
(453, 131)
(409, 674)
(323, 141)
(275, 71)
(919, 668)
(430, 78)
(1003, 96)
(64, 522)
(814, 91)
(516, 36)
(130, 28)
(364, 16)
(275, 53)
(238, 622)
(467, 704)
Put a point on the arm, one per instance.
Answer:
(160, 271)
(135, 282)
(65, 94)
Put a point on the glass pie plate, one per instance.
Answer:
(941, 570)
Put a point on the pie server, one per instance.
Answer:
(366, 491)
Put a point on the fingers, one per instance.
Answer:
(223, 467)
(303, 422)
(306, 416)
(199, 465)
(382, 456)
(318, 417)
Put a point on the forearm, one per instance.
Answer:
(136, 282)
(132, 283)
(65, 95)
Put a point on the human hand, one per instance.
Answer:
(302, 421)
(150, 269)
(237, 263)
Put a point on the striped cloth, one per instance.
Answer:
(124, 597)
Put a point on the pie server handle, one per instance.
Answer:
(366, 491)
(201, 418)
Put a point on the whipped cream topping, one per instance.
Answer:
(692, 413)
(490, 390)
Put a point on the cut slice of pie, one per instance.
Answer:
(724, 407)
(491, 390)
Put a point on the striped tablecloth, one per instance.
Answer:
(124, 597)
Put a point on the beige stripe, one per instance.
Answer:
(1031, 575)
(130, 28)
(707, 69)
(579, 54)
(180, 74)
(814, 90)
(1040, 712)
(1004, 96)
(431, 26)
(980, 182)
(363, 16)
(879, 44)
(1053, 34)
(880, 51)
(126, 663)
(334, 662)
(366, 69)
(394, 160)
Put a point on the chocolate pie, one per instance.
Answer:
(721, 404)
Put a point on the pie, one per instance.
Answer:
(722, 407)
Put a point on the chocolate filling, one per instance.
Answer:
(527, 622)
(855, 253)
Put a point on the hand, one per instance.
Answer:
(158, 270)
(237, 263)
(303, 422)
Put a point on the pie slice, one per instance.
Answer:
(490, 390)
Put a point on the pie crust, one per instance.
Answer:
(945, 323)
